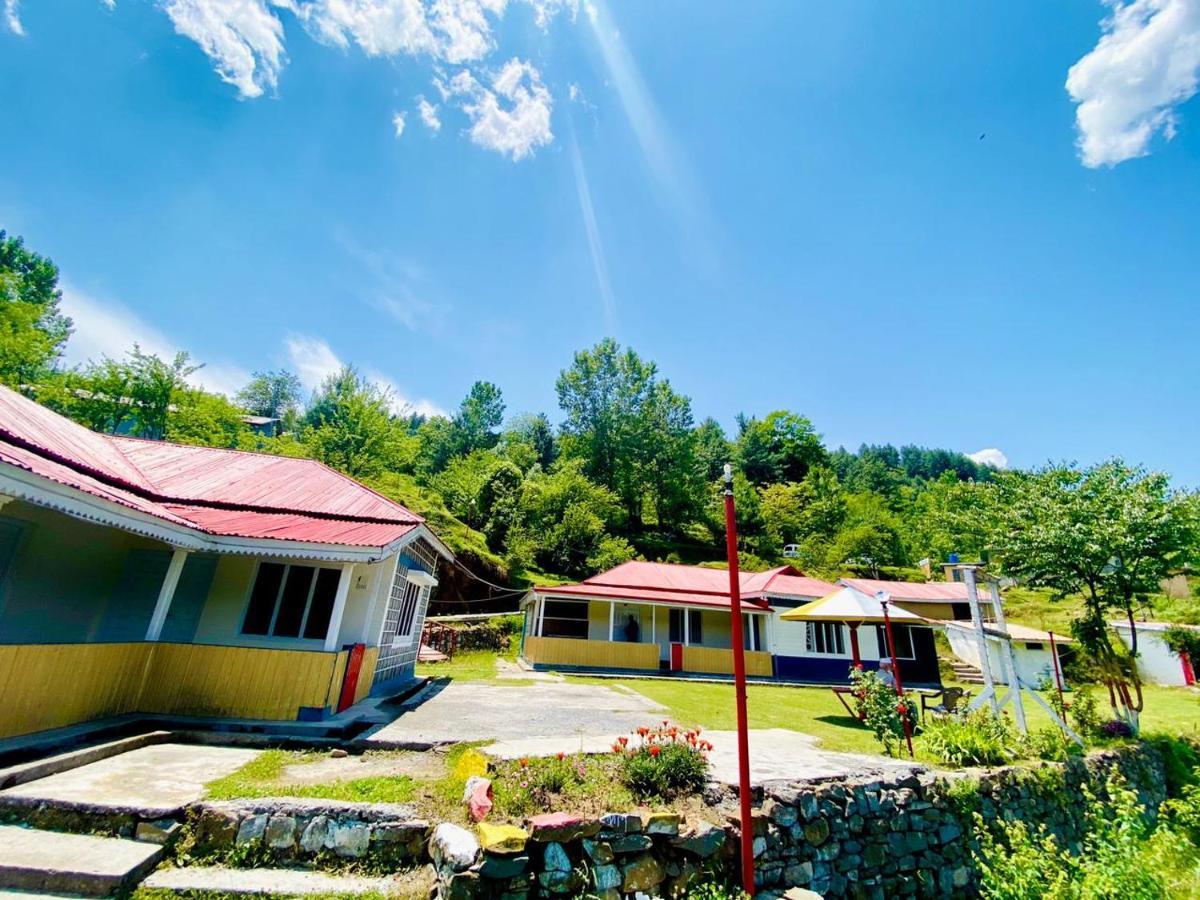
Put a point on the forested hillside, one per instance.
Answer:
(621, 469)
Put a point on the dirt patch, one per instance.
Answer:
(368, 765)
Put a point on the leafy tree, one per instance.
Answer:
(33, 329)
(208, 420)
(781, 447)
(871, 545)
(98, 396)
(781, 508)
(154, 384)
(631, 430)
(529, 441)
(274, 394)
(713, 449)
(823, 503)
(436, 445)
(951, 516)
(349, 425)
(478, 418)
(1110, 532)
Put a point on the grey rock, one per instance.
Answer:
(252, 828)
(162, 831)
(351, 839)
(315, 836)
(704, 840)
(631, 843)
(281, 832)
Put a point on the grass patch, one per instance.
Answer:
(265, 777)
(816, 711)
(470, 665)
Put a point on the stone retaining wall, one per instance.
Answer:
(875, 838)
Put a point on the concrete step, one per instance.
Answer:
(58, 863)
(196, 881)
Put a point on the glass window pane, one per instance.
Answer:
(295, 598)
(262, 599)
(321, 609)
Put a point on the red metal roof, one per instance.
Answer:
(933, 592)
(219, 492)
(693, 585)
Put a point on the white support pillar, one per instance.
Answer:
(1009, 658)
(541, 616)
(985, 661)
(653, 625)
(339, 607)
(687, 627)
(166, 594)
(612, 618)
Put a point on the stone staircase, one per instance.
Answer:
(79, 865)
(965, 672)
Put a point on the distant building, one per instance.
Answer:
(1157, 663)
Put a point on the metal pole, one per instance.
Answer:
(1057, 674)
(985, 660)
(739, 687)
(891, 648)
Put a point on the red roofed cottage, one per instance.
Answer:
(142, 577)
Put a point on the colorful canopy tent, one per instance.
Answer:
(852, 607)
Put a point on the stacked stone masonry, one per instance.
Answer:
(906, 836)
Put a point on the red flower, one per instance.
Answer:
(643, 731)
(561, 755)
(655, 750)
(524, 762)
(623, 741)
(901, 708)
(617, 748)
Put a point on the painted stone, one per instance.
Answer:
(628, 823)
(607, 878)
(453, 848)
(502, 867)
(662, 823)
(502, 839)
(561, 827)
(556, 859)
(631, 843)
(598, 851)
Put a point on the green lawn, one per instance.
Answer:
(470, 665)
(816, 711)
(264, 777)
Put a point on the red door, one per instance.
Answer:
(350, 680)
(677, 657)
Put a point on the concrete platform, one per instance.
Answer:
(50, 861)
(155, 781)
(282, 882)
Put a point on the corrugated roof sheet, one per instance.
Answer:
(219, 492)
(934, 592)
(672, 583)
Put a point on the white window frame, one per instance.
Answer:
(899, 632)
(833, 637)
(409, 604)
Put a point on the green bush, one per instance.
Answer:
(881, 710)
(667, 763)
(976, 738)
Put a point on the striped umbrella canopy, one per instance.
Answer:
(850, 606)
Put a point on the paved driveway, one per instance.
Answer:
(550, 717)
(479, 711)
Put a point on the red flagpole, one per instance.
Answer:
(739, 687)
(887, 624)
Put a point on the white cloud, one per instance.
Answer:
(398, 123)
(106, 328)
(12, 17)
(245, 41)
(1128, 87)
(990, 457)
(429, 114)
(243, 38)
(511, 117)
(313, 360)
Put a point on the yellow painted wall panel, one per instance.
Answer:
(55, 685)
(716, 661)
(591, 654)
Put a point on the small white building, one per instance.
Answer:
(1157, 663)
(1032, 653)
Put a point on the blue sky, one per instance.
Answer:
(951, 224)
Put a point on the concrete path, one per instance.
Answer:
(478, 711)
(34, 860)
(775, 755)
(279, 882)
(156, 781)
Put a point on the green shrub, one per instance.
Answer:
(976, 738)
(881, 710)
(1050, 744)
(665, 764)
(1085, 714)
